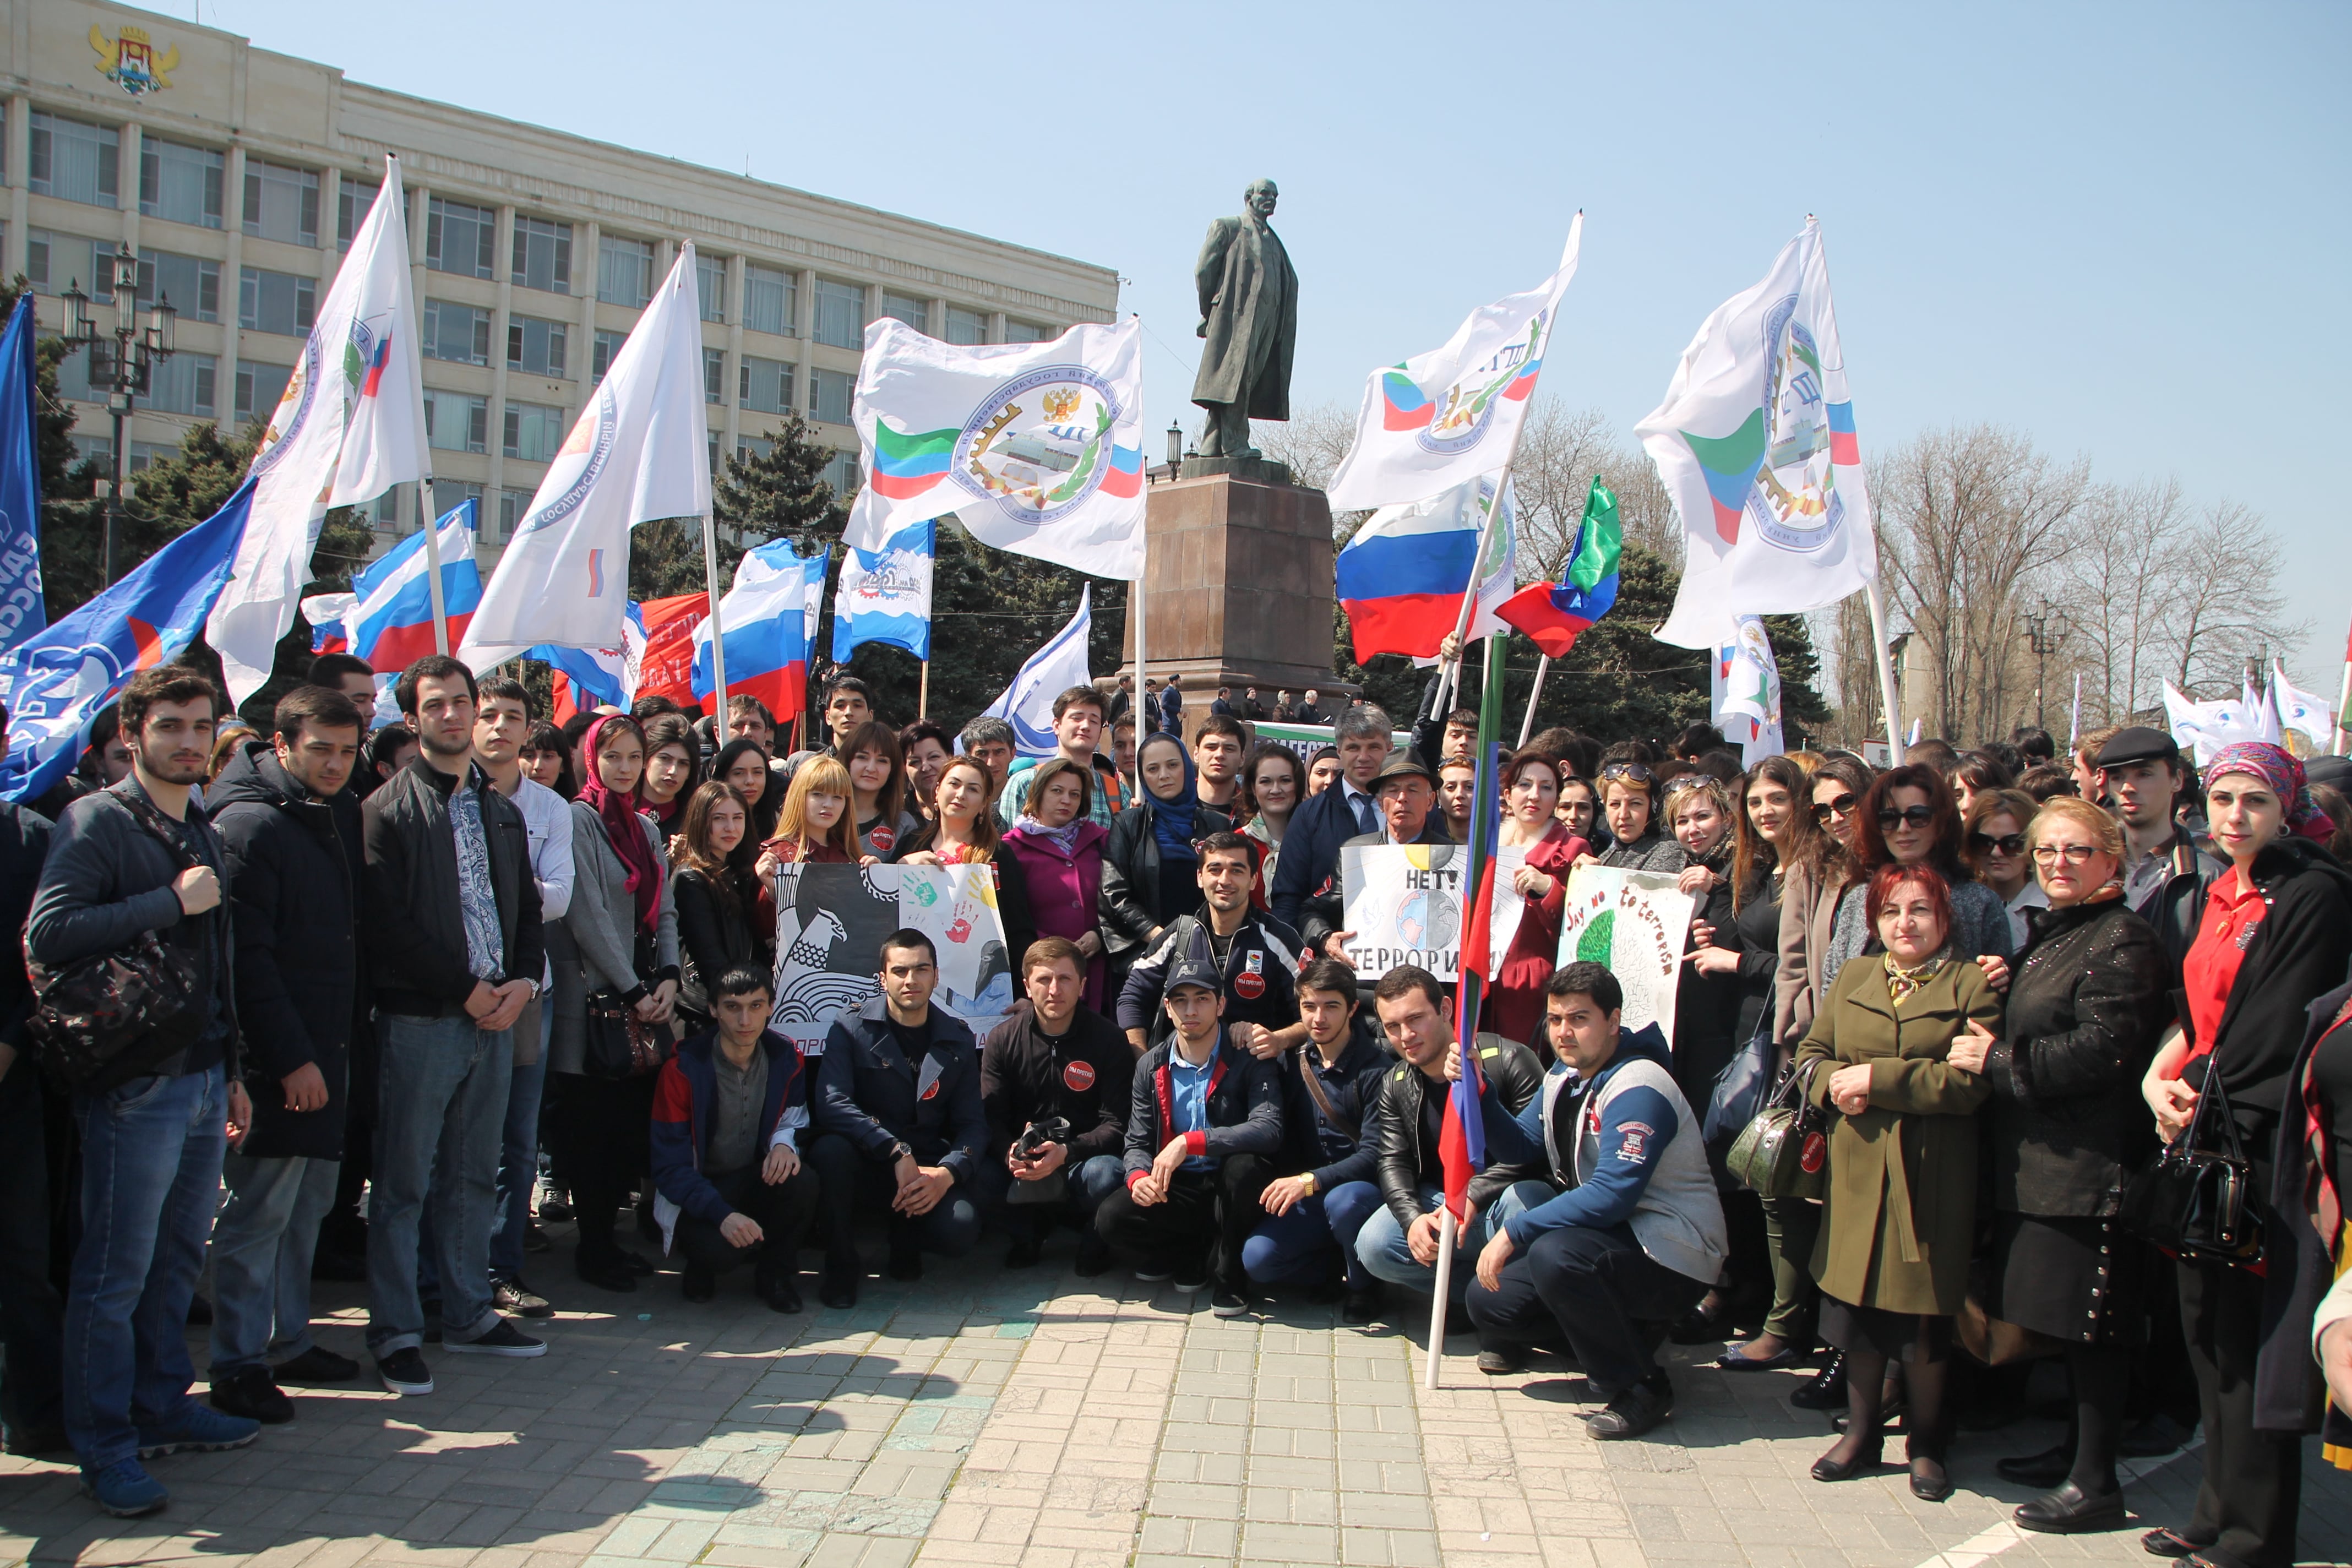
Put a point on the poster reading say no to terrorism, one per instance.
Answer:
(1636, 924)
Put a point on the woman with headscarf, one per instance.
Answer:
(1150, 870)
(2276, 934)
(614, 949)
(742, 766)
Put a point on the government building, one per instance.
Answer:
(238, 177)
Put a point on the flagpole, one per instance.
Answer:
(1885, 660)
(433, 566)
(1528, 724)
(1451, 670)
(1135, 602)
(1445, 1234)
(718, 632)
(923, 694)
(2074, 715)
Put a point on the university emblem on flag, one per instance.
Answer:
(1456, 417)
(293, 409)
(591, 438)
(129, 61)
(1041, 444)
(1778, 469)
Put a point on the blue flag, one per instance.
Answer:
(885, 595)
(23, 612)
(55, 683)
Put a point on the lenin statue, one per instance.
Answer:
(1249, 316)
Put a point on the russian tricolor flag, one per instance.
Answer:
(326, 613)
(765, 617)
(1402, 577)
(391, 626)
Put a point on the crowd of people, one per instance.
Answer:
(414, 996)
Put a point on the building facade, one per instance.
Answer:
(238, 177)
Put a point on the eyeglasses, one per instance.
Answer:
(1916, 816)
(2007, 843)
(1638, 772)
(2076, 854)
(1843, 805)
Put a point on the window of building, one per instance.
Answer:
(533, 431)
(382, 513)
(98, 449)
(75, 161)
(624, 271)
(512, 507)
(281, 204)
(843, 475)
(1025, 332)
(180, 182)
(710, 285)
(259, 388)
(543, 255)
(603, 352)
(966, 326)
(770, 299)
(765, 386)
(460, 333)
(145, 455)
(751, 448)
(915, 313)
(714, 375)
(86, 377)
(448, 495)
(830, 392)
(55, 262)
(711, 449)
(353, 197)
(840, 313)
(190, 283)
(456, 423)
(277, 302)
(536, 345)
(460, 238)
(183, 385)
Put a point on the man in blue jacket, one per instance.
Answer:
(1636, 1235)
(728, 1112)
(898, 1114)
(1310, 844)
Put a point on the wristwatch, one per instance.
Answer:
(1308, 1177)
(899, 1151)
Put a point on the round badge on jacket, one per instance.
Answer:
(1251, 986)
(1079, 1075)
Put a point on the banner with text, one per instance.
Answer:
(1633, 923)
(1403, 901)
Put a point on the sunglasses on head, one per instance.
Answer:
(1843, 805)
(2007, 843)
(1916, 816)
(1638, 772)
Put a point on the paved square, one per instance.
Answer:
(1046, 1421)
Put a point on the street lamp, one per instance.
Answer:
(2045, 633)
(127, 370)
(1175, 446)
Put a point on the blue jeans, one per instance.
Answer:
(1090, 1180)
(262, 1244)
(1381, 1245)
(151, 1169)
(1298, 1246)
(519, 1155)
(441, 1112)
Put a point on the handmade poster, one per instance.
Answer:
(1403, 901)
(1636, 924)
(1506, 906)
(830, 922)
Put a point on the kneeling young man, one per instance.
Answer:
(728, 1113)
(1203, 1122)
(1636, 1236)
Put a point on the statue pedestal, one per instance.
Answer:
(1238, 580)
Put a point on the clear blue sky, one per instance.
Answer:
(2107, 226)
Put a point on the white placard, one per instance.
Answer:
(1636, 923)
(1404, 903)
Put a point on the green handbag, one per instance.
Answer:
(1784, 1151)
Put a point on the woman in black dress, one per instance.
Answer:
(725, 917)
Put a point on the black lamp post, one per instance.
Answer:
(2045, 633)
(127, 370)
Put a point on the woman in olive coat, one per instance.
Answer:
(1899, 1214)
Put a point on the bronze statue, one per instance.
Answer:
(1249, 316)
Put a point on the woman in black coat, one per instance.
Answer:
(725, 916)
(2090, 995)
(1149, 871)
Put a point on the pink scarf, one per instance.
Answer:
(618, 811)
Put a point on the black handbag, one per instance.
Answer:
(2195, 1201)
(618, 1044)
(1784, 1151)
(1741, 1089)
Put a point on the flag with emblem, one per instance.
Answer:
(22, 609)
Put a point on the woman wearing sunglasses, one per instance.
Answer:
(1997, 853)
(1909, 818)
(1629, 804)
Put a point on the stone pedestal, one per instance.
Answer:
(1238, 576)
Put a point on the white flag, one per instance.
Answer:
(2304, 710)
(1028, 704)
(1747, 693)
(1755, 444)
(638, 452)
(1444, 417)
(2204, 728)
(1036, 447)
(350, 427)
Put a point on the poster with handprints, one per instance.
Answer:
(1403, 901)
(830, 922)
(1634, 925)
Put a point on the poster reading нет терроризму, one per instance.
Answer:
(1403, 901)
(1634, 924)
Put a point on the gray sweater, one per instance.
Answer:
(593, 946)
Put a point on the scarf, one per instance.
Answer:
(1171, 816)
(618, 813)
(1064, 837)
(2282, 774)
(1902, 982)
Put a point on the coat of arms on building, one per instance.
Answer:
(129, 61)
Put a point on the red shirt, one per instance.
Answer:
(2231, 915)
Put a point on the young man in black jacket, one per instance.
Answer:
(1256, 956)
(898, 1112)
(455, 951)
(136, 858)
(293, 837)
(1204, 1124)
(1054, 1059)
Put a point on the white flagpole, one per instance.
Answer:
(1140, 709)
(1528, 724)
(433, 566)
(923, 694)
(1444, 1287)
(2344, 707)
(2074, 715)
(1885, 663)
(717, 636)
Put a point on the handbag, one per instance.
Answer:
(1784, 1151)
(105, 1019)
(618, 1044)
(1740, 1089)
(2196, 1201)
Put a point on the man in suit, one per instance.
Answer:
(1407, 799)
(1310, 844)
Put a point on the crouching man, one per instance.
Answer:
(1203, 1124)
(1636, 1236)
(728, 1114)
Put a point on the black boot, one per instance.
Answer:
(1827, 1389)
